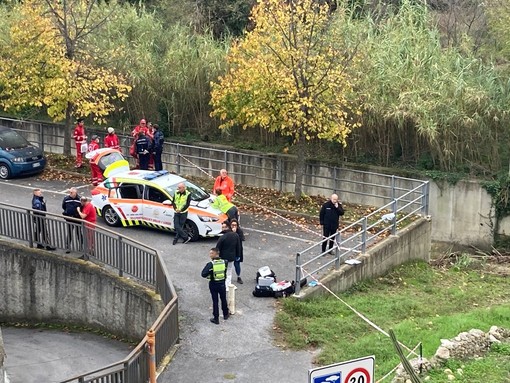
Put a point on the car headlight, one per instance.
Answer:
(207, 218)
(18, 159)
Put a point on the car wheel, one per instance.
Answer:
(192, 230)
(4, 172)
(110, 216)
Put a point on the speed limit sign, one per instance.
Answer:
(353, 371)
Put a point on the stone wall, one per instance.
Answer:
(40, 287)
(467, 345)
(410, 243)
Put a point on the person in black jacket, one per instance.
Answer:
(329, 217)
(70, 206)
(234, 225)
(229, 248)
(215, 271)
(143, 144)
(157, 147)
(41, 235)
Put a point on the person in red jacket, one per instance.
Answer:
(79, 139)
(111, 140)
(225, 183)
(140, 128)
(97, 175)
(87, 212)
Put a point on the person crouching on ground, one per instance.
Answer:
(225, 206)
(96, 173)
(215, 271)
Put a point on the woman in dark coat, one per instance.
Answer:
(234, 225)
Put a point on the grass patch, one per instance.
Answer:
(421, 303)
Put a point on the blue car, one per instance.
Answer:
(18, 156)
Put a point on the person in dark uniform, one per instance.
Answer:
(229, 246)
(215, 271)
(142, 150)
(41, 235)
(70, 206)
(157, 147)
(329, 217)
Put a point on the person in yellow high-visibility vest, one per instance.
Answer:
(215, 271)
(181, 202)
(225, 206)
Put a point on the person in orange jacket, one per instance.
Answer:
(225, 183)
(79, 139)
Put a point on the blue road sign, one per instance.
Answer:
(335, 377)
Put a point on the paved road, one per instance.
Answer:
(241, 349)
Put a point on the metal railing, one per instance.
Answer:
(126, 256)
(276, 171)
(355, 238)
(400, 196)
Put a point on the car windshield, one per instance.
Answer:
(109, 159)
(9, 139)
(197, 193)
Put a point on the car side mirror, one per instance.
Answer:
(167, 202)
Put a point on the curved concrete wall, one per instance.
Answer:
(36, 286)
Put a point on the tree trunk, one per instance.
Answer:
(67, 131)
(300, 167)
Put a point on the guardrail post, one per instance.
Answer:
(364, 236)
(84, 235)
(178, 159)
(151, 348)
(425, 198)
(337, 249)
(121, 256)
(392, 187)
(298, 273)
(31, 229)
(225, 160)
(279, 173)
(335, 183)
(394, 210)
(41, 137)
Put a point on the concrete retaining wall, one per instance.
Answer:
(411, 243)
(40, 287)
(461, 212)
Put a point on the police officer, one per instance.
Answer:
(215, 271)
(181, 201)
(157, 147)
(142, 144)
(41, 235)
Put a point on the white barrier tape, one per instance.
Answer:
(306, 274)
(257, 204)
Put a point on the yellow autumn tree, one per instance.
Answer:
(287, 75)
(47, 62)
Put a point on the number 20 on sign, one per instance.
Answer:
(353, 371)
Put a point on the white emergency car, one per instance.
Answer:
(143, 197)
